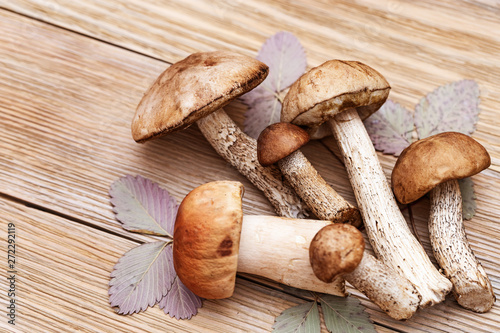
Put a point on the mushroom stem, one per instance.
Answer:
(278, 249)
(240, 150)
(322, 199)
(385, 287)
(386, 227)
(471, 286)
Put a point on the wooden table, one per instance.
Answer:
(71, 75)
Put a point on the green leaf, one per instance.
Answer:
(452, 107)
(303, 318)
(468, 198)
(345, 314)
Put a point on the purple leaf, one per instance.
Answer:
(452, 107)
(141, 277)
(390, 128)
(142, 206)
(180, 302)
(287, 61)
(269, 112)
(286, 58)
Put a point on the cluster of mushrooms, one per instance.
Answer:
(213, 240)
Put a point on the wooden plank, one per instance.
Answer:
(416, 45)
(63, 270)
(66, 117)
(66, 106)
(67, 138)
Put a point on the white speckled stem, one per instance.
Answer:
(385, 287)
(386, 227)
(324, 201)
(240, 150)
(471, 286)
(278, 249)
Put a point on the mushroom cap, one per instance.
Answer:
(434, 160)
(332, 87)
(207, 238)
(336, 249)
(279, 140)
(193, 88)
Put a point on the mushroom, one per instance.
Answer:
(194, 90)
(433, 165)
(279, 143)
(339, 250)
(213, 240)
(342, 93)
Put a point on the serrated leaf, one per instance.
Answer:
(180, 302)
(141, 277)
(345, 314)
(142, 206)
(262, 112)
(390, 128)
(452, 107)
(468, 197)
(303, 318)
(286, 58)
(287, 61)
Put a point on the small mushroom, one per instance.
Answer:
(339, 250)
(342, 93)
(279, 143)
(194, 90)
(433, 165)
(336, 249)
(213, 240)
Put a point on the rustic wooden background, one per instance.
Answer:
(71, 74)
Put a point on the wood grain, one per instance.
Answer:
(71, 76)
(62, 282)
(416, 45)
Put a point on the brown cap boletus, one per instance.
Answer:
(213, 240)
(434, 165)
(196, 89)
(339, 250)
(341, 94)
(335, 250)
(332, 88)
(434, 160)
(280, 143)
(207, 237)
(193, 88)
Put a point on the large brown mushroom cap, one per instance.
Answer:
(332, 87)
(279, 140)
(434, 160)
(193, 88)
(336, 249)
(207, 237)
